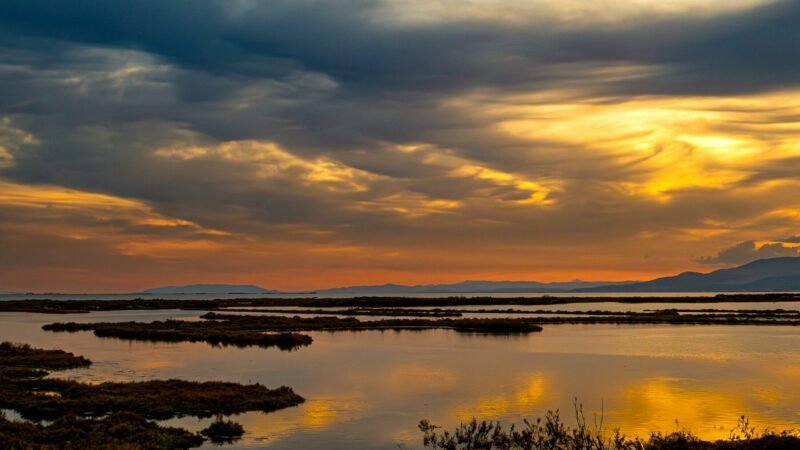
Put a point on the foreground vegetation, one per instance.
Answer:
(120, 431)
(156, 399)
(16, 357)
(115, 415)
(223, 431)
(551, 433)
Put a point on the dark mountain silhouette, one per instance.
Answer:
(763, 275)
(469, 287)
(209, 289)
(464, 287)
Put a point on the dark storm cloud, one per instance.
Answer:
(748, 251)
(387, 81)
(738, 52)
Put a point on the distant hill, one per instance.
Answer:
(763, 275)
(209, 289)
(469, 287)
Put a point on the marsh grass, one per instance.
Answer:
(156, 399)
(298, 323)
(120, 431)
(115, 415)
(361, 311)
(285, 332)
(551, 433)
(214, 333)
(276, 331)
(22, 359)
(223, 431)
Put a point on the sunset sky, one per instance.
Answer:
(302, 144)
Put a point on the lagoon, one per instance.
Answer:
(369, 389)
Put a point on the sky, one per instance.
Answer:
(303, 144)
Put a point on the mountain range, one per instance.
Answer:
(764, 275)
(464, 287)
(209, 289)
(471, 287)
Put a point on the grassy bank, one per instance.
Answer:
(265, 322)
(519, 324)
(280, 331)
(114, 415)
(214, 333)
(552, 433)
(23, 356)
(158, 399)
(121, 431)
(388, 312)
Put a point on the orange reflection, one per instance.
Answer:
(321, 412)
(315, 414)
(529, 392)
(667, 404)
(417, 378)
(152, 364)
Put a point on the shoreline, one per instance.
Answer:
(67, 306)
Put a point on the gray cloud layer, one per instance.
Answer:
(748, 251)
(102, 86)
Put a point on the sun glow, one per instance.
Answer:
(664, 145)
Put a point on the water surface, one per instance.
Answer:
(369, 389)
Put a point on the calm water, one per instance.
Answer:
(369, 389)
